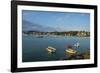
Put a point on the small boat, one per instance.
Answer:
(50, 49)
(71, 51)
(77, 45)
(39, 36)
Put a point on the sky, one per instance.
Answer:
(55, 21)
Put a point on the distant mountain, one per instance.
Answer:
(29, 26)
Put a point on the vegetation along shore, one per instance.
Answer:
(65, 33)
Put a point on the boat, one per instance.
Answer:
(39, 36)
(77, 44)
(70, 51)
(50, 49)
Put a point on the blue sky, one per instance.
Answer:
(55, 21)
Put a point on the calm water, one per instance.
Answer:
(34, 49)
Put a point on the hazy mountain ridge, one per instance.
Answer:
(29, 26)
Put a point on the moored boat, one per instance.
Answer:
(50, 49)
(70, 51)
(77, 44)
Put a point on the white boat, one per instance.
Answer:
(77, 44)
(50, 49)
(70, 51)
